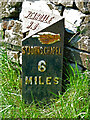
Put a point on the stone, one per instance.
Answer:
(81, 40)
(13, 34)
(78, 66)
(67, 3)
(85, 29)
(37, 16)
(83, 5)
(4, 12)
(74, 55)
(4, 25)
(87, 19)
(10, 8)
(17, 27)
(42, 61)
(51, 6)
(81, 43)
(84, 43)
(20, 58)
(71, 23)
(13, 55)
(39, 5)
(11, 24)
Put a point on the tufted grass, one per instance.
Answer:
(74, 103)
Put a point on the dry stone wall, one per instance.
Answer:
(77, 27)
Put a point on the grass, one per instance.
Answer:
(74, 103)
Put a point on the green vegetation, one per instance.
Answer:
(74, 103)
